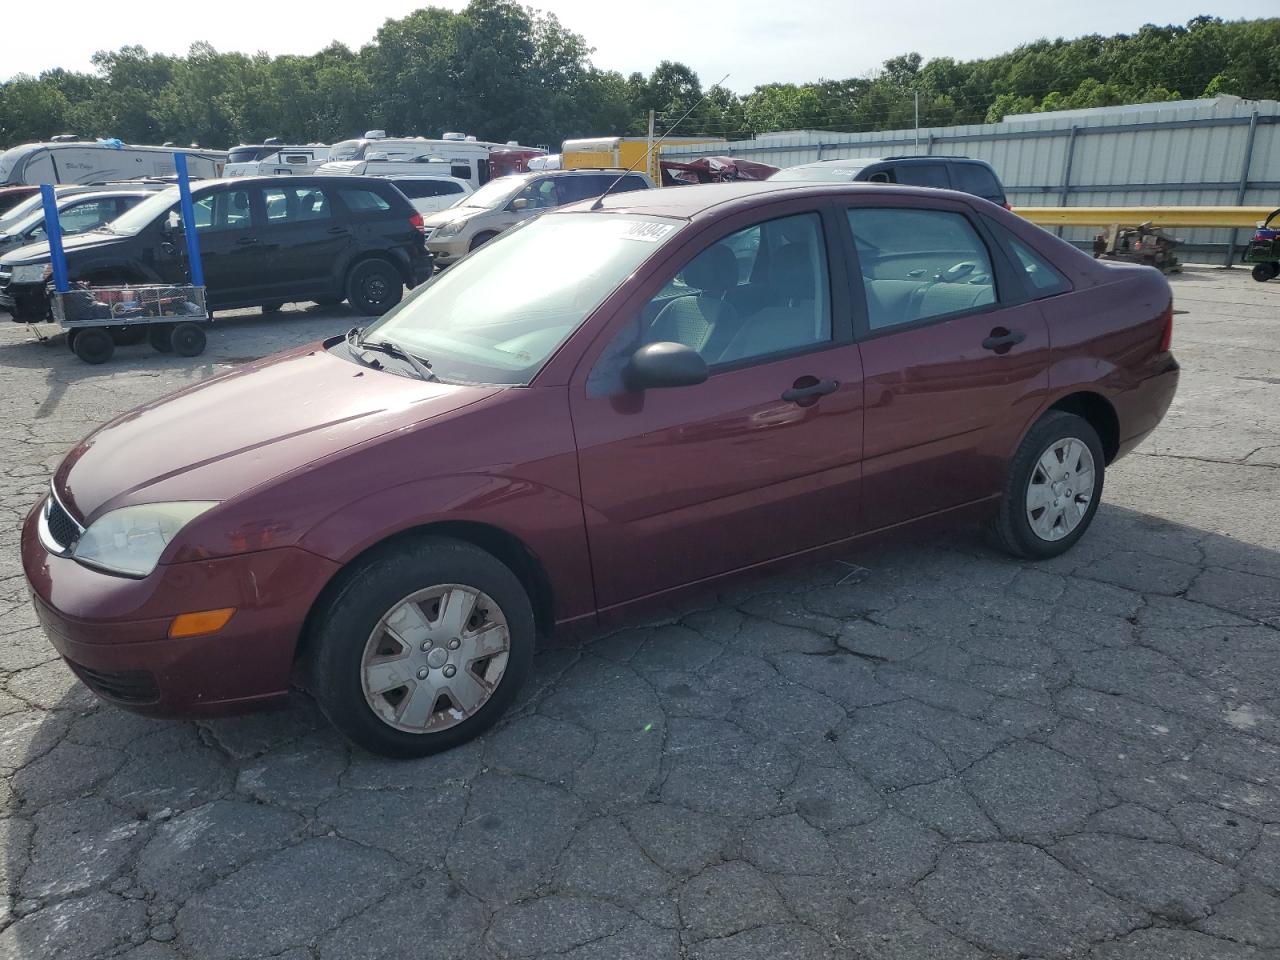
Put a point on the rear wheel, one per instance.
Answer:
(188, 340)
(1053, 488)
(374, 287)
(1262, 272)
(94, 345)
(422, 647)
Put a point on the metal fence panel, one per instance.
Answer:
(1188, 153)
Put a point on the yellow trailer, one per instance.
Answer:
(624, 152)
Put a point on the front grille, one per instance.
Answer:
(130, 686)
(62, 528)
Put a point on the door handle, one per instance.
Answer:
(810, 390)
(1001, 340)
(246, 241)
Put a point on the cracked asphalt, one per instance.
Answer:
(924, 751)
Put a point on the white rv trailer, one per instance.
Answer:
(466, 157)
(272, 158)
(88, 161)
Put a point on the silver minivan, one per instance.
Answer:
(502, 203)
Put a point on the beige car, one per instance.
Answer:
(479, 217)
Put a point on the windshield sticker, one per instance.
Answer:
(646, 231)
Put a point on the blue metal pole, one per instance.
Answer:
(189, 220)
(53, 230)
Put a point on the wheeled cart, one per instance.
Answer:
(98, 319)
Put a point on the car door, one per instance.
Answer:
(302, 238)
(235, 269)
(759, 461)
(954, 358)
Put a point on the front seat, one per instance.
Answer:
(694, 318)
(794, 320)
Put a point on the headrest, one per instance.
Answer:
(713, 271)
(793, 272)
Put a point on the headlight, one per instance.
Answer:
(131, 539)
(32, 273)
(450, 229)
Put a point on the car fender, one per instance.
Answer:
(546, 521)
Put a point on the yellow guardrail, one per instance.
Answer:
(1242, 217)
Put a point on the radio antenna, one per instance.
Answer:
(657, 143)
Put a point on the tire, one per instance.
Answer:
(275, 306)
(188, 339)
(71, 340)
(374, 287)
(1012, 529)
(94, 345)
(480, 239)
(1262, 272)
(128, 336)
(348, 639)
(160, 336)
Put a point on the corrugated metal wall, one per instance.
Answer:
(1186, 154)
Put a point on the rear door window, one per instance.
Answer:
(295, 204)
(1042, 277)
(919, 264)
(583, 187)
(923, 175)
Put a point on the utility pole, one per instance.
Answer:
(652, 163)
(917, 118)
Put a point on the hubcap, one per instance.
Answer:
(375, 288)
(435, 658)
(1060, 489)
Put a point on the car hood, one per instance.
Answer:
(39, 252)
(450, 214)
(233, 433)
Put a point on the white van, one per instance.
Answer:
(104, 160)
(272, 159)
(463, 156)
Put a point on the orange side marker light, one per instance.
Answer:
(200, 623)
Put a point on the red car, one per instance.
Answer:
(607, 406)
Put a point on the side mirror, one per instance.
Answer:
(520, 203)
(664, 364)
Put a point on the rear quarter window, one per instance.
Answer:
(364, 201)
(978, 180)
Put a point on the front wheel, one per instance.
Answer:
(1053, 488)
(480, 239)
(1263, 272)
(421, 647)
(374, 287)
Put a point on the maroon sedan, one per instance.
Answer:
(594, 412)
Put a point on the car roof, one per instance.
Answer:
(313, 179)
(691, 201)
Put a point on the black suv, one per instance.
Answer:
(263, 241)
(947, 173)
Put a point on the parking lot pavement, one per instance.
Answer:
(923, 751)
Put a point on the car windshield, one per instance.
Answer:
(497, 316)
(137, 219)
(495, 193)
(838, 170)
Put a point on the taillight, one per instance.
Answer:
(1166, 336)
(418, 223)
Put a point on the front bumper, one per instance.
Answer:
(449, 251)
(113, 631)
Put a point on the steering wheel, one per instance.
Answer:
(958, 272)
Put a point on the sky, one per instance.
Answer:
(754, 41)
